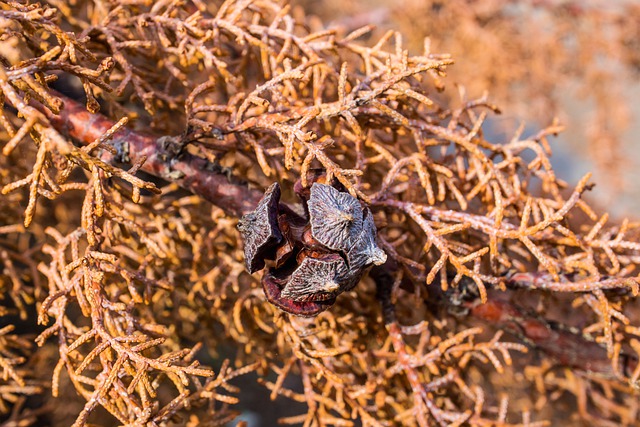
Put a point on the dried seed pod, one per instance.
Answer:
(336, 217)
(316, 279)
(316, 258)
(260, 230)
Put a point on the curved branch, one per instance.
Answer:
(192, 173)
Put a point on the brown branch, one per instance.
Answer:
(562, 345)
(192, 173)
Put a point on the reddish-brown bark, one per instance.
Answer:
(190, 172)
(561, 344)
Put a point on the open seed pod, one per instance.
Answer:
(260, 230)
(316, 258)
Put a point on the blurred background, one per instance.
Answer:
(578, 61)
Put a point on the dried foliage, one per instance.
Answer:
(505, 299)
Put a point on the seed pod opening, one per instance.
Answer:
(316, 279)
(336, 217)
(260, 230)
